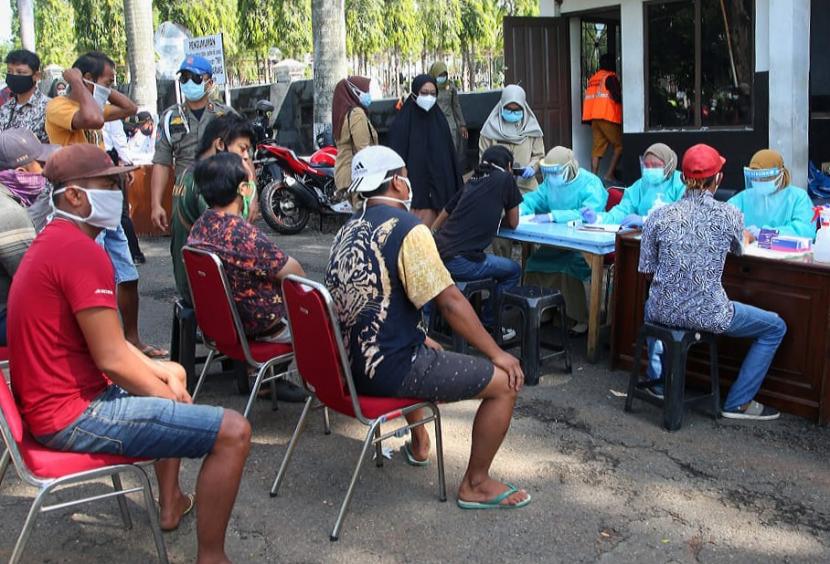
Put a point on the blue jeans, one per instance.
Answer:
(765, 327)
(115, 243)
(141, 427)
(505, 272)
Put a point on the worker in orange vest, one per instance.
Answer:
(603, 108)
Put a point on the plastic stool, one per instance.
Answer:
(533, 302)
(676, 345)
(183, 340)
(474, 291)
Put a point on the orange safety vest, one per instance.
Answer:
(598, 103)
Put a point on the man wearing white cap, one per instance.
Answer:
(384, 267)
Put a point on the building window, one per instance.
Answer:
(700, 66)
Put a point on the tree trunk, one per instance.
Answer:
(26, 14)
(328, 27)
(138, 23)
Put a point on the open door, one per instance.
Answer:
(537, 57)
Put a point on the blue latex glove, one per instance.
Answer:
(588, 215)
(755, 231)
(542, 218)
(632, 220)
(528, 172)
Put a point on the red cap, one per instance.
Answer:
(81, 161)
(702, 161)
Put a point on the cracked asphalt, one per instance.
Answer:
(607, 486)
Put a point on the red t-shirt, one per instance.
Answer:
(54, 377)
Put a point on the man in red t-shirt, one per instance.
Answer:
(82, 387)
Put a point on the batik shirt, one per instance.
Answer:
(251, 263)
(384, 267)
(31, 115)
(685, 245)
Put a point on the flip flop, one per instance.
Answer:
(156, 353)
(410, 458)
(496, 502)
(191, 503)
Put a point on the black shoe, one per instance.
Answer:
(139, 259)
(290, 392)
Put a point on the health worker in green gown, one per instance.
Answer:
(660, 184)
(566, 190)
(770, 202)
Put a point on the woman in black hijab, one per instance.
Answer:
(421, 136)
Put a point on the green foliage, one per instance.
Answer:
(55, 32)
(440, 21)
(206, 17)
(402, 27)
(364, 27)
(285, 24)
(103, 25)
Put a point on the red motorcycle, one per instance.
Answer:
(293, 187)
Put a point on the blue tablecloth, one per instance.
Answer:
(562, 236)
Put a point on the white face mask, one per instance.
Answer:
(100, 93)
(105, 207)
(407, 203)
(425, 102)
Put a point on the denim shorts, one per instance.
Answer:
(140, 427)
(115, 243)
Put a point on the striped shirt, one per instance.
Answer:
(16, 234)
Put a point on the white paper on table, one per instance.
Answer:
(753, 250)
(604, 227)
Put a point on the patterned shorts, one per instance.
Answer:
(445, 376)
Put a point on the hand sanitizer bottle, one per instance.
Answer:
(821, 250)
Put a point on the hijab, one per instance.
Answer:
(770, 158)
(345, 100)
(562, 156)
(436, 70)
(500, 131)
(665, 154)
(424, 141)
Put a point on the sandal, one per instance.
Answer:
(191, 503)
(410, 457)
(496, 502)
(156, 353)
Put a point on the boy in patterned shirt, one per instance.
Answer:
(684, 247)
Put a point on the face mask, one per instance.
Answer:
(365, 99)
(406, 203)
(106, 207)
(765, 187)
(192, 91)
(441, 80)
(25, 186)
(653, 175)
(100, 93)
(556, 180)
(425, 102)
(246, 200)
(20, 84)
(512, 116)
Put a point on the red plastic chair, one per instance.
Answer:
(324, 367)
(47, 469)
(615, 196)
(221, 326)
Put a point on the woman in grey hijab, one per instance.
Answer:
(512, 124)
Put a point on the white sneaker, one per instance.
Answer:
(508, 334)
(755, 411)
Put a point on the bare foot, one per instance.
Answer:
(419, 444)
(487, 490)
(169, 517)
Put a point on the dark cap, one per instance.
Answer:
(143, 116)
(196, 65)
(81, 161)
(702, 161)
(19, 147)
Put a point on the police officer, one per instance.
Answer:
(180, 129)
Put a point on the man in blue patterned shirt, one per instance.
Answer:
(684, 247)
(26, 107)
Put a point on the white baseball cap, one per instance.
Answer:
(370, 166)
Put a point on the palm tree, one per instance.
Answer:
(26, 14)
(138, 21)
(328, 27)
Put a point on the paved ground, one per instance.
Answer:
(607, 486)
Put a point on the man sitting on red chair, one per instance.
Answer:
(82, 387)
(384, 267)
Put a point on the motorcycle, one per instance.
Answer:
(293, 187)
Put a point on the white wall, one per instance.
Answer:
(789, 72)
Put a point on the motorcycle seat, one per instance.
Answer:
(323, 169)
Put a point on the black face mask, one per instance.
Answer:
(20, 84)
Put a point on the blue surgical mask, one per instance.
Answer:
(765, 187)
(441, 80)
(653, 175)
(555, 180)
(192, 91)
(365, 99)
(512, 116)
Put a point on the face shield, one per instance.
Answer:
(764, 180)
(554, 174)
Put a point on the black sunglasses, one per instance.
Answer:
(187, 75)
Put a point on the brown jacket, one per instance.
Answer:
(357, 133)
